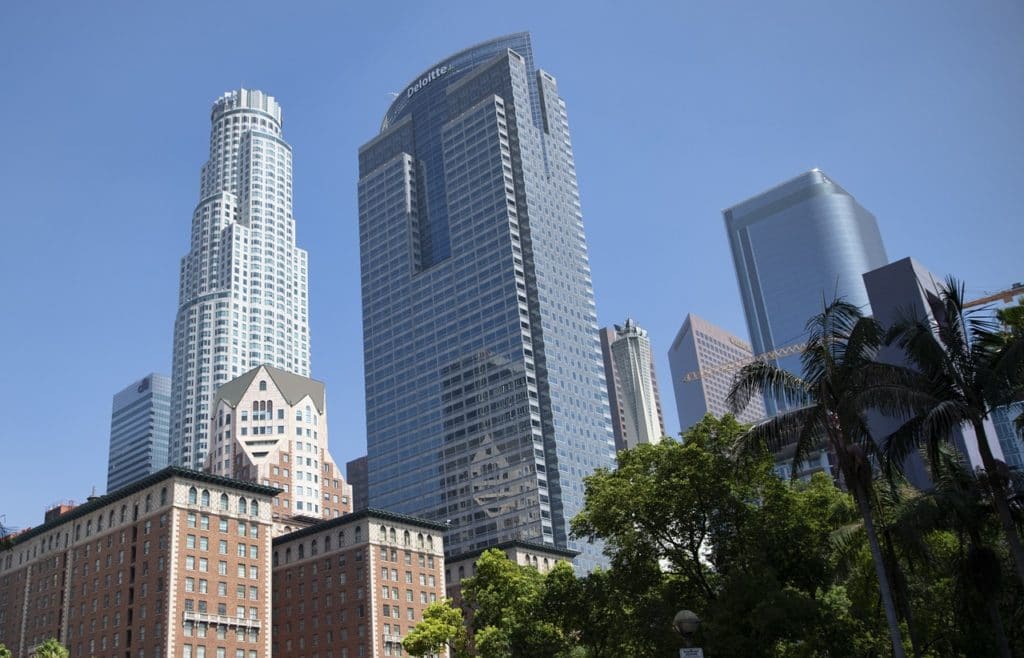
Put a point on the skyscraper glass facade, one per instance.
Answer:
(140, 422)
(796, 247)
(485, 392)
(243, 298)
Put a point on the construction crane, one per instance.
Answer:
(1005, 296)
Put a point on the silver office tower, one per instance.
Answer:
(485, 393)
(140, 424)
(797, 246)
(243, 284)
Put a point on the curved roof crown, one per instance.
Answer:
(457, 65)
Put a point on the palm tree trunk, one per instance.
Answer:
(999, 499)
(883, 580)
(997, 625)
(902, 593)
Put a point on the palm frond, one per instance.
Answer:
(769, 380)
(782, 430)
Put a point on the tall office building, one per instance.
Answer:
(485, 392)
(906, 290)
(632, 385)
(704, 359)
(243, 287)
(795, 246)
(356, 472)
(270, 426)
(139, 430)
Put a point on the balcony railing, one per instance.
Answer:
(223, 620)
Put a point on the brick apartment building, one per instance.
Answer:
(354, 586)
(176, 564)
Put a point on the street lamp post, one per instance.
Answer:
(687, 623)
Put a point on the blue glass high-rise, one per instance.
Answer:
(797, 247)
(486, 401)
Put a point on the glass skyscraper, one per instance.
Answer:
(243, 298)
(486, 401)
(797, 246)
(140, 424)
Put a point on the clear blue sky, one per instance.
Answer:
(678, 109)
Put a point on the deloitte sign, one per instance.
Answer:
(427, 79)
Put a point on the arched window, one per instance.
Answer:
(359, 534)
(327, 543)
(149, 502)
(270, 407)
(99, 523)
(430, 541)
(193, 495)
(224, 501)
(277, 558)
(287, 555)
(242, 508)
(163, 496)
(407, 538)
(419, 540)
(110, 519)
(383, 533)
(254, 508)
(263, 384)
(205, 499)
(341, 538)
(88, 528)
(314, 547)
(78, 532)
(302, 551)
(124, 513)
(394, 538)
(255, 406)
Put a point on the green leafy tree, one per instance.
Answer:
(700, 525)
(51, 649)
(442, 626)
(4, 651)
(970, 366)
(507, 612)
(840, 382)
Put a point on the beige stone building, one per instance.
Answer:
(176, 564)
(354, 586)
(270, 426)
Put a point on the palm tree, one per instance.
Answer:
(51, 649)
(970, 365)
(840, 381)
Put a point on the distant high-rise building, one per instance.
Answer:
(632, 385)
(704, 359)
(797, 247)
(906, 290)
(243, 284)
(139, 430)
(270, 426)
(356, 473)
(1009, 440)
(486, 402)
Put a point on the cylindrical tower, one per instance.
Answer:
(243, 295)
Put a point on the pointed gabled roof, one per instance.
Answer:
(293, 387)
